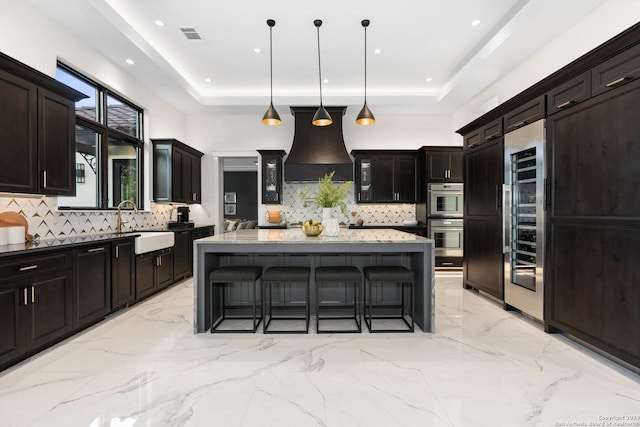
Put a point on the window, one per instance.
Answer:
(109, 146)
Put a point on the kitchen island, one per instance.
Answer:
(291, 247)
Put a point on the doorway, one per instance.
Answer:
(240, 188)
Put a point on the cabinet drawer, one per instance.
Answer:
(31, 265)
(528, 113)
(569, 93)
(473, 138)
(616, 71)
(492, 131)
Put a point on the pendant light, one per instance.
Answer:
(321, 117)
(271, 117)
(365, 117)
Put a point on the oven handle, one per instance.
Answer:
(506, 226)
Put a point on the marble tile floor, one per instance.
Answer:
(482, 367)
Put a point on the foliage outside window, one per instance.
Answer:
(109, 146)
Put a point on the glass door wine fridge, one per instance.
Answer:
(523, 219)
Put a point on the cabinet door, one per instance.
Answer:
(483, 181)
(456, 167)
(91, 284)
(164, 269)
(18, 135)
(177, 161)
(122, 273)
(182, 255)
(49, 313)
(162, 176)
(196, 176)
(187, 193)
(364, 175)
(483, 261)
(522, 116)
(438, 166)
(404, 179)
(56, 148)
(145, 275)
(12, 334)
(271, 161)
(382, 179)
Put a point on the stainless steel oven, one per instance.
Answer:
(445, 200)
(447, 235)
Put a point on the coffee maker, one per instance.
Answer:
(183, 214)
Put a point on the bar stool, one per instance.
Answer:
(379, 276)
(336, 275)
(227, 278)
(288, 277)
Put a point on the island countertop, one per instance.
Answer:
(269, 247)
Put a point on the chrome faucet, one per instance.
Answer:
(120, 205)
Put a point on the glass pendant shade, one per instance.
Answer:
(365, 117)
(322, 116)
(271, 117)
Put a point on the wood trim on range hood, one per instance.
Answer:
(317, 150)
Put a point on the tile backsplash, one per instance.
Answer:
(296, 209)
(48, 222)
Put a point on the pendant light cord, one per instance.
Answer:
(271, 61)
(319, 67)
(365, 64)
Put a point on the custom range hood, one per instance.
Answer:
(317, 150)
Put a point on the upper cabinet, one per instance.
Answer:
(444, 164)
(37, 131)
(271, 176)
(385, 176)
(484, 134)
(176, 172)
(616, 71)
(528, 113)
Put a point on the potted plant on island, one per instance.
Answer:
(329, 196)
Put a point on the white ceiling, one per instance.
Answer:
(418, 39)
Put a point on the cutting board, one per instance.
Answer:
(10, 219)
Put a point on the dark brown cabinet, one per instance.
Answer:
(182, 254)
(482, 262)
(37, 132)
(35, 302)
(385, 176)
(569, 93)
(123, 289)
(528, 113)
(619, 70)
(176, 172)
(154, 272)
(444, 164)
(271, 161)
(91, 284)
(483, 134)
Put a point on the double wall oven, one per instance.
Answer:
(445, 210)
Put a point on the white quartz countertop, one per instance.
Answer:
(295, 235)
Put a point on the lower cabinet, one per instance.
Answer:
(182, 255)
(154, 271)
(123, 269)
(91, 284)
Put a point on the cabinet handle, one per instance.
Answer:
(565, 104)
(117, 251)
(26, 302)
(193, 196)
(44, 179)
(515, 125)
(33, 294)
(29, 267)
(616, 82)
(95, 250)
(358, 196)
(490, 137)
(447, 263)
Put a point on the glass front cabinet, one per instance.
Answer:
(271, 161)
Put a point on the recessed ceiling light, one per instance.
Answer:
(257, 50)
(377, 51)
(475, 23)
(428, 79)
(159, 23)
(130, 61)
(325, 80)
(208, 80)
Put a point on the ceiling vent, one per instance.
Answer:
(190, 33)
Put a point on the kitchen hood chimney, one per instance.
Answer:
(317, 150)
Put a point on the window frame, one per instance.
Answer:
(100, 127)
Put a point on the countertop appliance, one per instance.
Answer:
(183, 213)
(524, 218)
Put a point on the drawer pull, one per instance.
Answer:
(33, 294)
(490, 137)
(447, 263)
(516, 125)
(25, 297)
(616, 82)
(564, 104)
(28, 267)
(95, 250)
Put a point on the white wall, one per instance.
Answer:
(603, 23)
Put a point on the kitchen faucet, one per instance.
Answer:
(120, 221)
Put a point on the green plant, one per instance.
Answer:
(329, 195)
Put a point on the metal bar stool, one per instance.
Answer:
(379, 276)
(288, 277)
(345, 275)
(226, 277)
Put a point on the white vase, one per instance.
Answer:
(330, 225)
